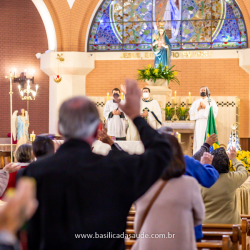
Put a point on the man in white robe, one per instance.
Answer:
(151, 111)
(115, 118)
(199, 113)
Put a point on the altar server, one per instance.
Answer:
(115, 117)
(199, 113)
(150, 111)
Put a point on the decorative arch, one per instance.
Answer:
(190, 24)
(48, 23)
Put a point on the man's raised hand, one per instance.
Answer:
(211, 139)
(133, 98)
(207, 159)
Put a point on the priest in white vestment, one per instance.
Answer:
(150, 111)
(199, 113)
(115, 118)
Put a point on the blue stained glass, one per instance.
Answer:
(105, 16)
(229, 32)
(229, 13)
(106, 34)
(189, 24)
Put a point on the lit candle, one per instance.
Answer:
(122, 96)
(175, 97)
(189, 98)
(14, 72)
(19, 87)
(32, 136)
(36, 87)
(33, 73)
(107, 96)
(25, 71)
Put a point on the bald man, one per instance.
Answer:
(199, 113)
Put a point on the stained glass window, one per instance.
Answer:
(190, 24)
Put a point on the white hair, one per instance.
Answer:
(78, 118)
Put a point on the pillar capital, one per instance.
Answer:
(75, 63)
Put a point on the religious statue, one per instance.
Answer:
(20, 125)
(162, 47)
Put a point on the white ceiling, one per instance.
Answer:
(71, 2)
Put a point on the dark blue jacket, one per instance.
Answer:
(206, 175)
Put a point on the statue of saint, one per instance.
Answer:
(20, 127)
(162, 47)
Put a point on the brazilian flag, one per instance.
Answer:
(211, 129)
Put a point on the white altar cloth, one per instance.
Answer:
(132, 147)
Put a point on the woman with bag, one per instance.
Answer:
(167, 213)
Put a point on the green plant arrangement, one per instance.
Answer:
(182, 112)
(168, 112)
(161, 72)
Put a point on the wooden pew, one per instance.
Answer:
(224, 244)
(129, 243)
(216, 231)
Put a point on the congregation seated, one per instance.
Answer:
(220, 200)
(176, 210)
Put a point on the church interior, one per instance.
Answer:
(190, 62)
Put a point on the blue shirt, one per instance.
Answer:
(205, 174)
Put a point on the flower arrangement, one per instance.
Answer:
(244, 157)
(182, 112)
(161, 72)
(168, 112)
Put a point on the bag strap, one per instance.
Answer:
(151, 203)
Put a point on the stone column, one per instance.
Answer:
(73, 71)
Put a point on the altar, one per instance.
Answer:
(229, 113)
(186, 129)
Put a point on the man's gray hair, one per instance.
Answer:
(78, 118)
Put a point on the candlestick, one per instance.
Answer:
(175, 117)
(188, 116)
(175, 97)
(107, 96)
(32, 136)
(178, 137)
(11, 77)
(189, 98)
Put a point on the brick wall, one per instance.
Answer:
(22, 36)
(224, 77)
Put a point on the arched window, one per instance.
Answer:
(190, 24)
